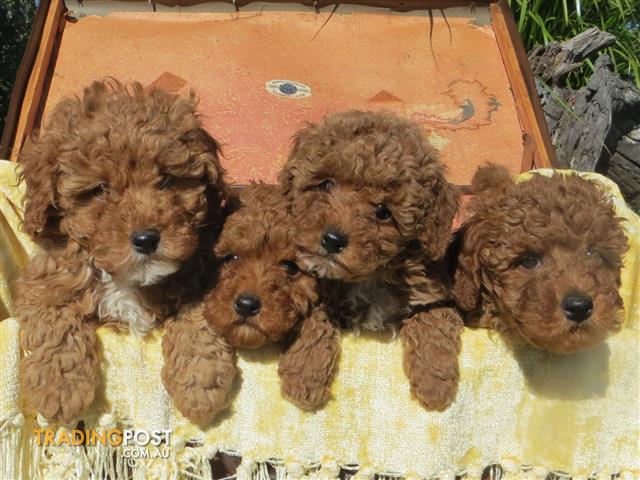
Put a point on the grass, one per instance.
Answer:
(16, 17)
(543, 21)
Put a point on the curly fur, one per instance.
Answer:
(255, 243)
(570, 226)
(339, 176)
(117, 160)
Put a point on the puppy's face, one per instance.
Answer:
(363, 186)
(260, 294)
(547, 254)
(131, 178)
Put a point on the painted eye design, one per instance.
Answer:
(290, 267)
(166, 181)
(288, 88)
(325, 185)
(96, 192)
(232, 257)
(382, 212)
(530, 261)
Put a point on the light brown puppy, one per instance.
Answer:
(540, 260)
(373, 212)
(259, 297)
(123, 188)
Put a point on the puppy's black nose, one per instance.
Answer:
(145, 241)
(334, 241)
(577, 307)
(247, 304)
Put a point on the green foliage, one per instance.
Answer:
(543, 21)
(16, 17)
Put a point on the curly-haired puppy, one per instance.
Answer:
(259, 296)
(122, 187)
(373, 212)
(540, 260)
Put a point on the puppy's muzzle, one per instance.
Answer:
(145, 241)
(334, 241)
(577, 307)
(247, 305)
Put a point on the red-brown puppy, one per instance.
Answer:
(540, 260)
(122, 188)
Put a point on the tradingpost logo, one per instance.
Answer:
(138, 443)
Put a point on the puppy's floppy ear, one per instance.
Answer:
(305, 138)
(436, 233)
(468, 270)
(491, 179)
(489, 182)
(37, 170)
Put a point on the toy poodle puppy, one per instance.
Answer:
(540, 260)
(259, 297)
(123, 188)
(373, 213)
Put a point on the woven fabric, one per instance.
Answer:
(532, 412)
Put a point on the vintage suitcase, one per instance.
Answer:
(262, 69)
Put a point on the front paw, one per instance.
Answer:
(60, 395)
(201, 405)
(304, 392)
(431, 347)
(433, 392)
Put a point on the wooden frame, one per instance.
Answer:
(537, 147)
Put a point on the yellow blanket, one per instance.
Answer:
(537, 413)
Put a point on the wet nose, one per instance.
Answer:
(145, 241)
(577, 307)
(334, 241)
(247, 304)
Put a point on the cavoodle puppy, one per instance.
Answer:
(123, 188)
(259, 297)
(540, 260)
(373, 213)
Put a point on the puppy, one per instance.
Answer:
(123, 187)
(260, 295)
(373, 213)
(540, 260)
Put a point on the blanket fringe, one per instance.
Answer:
(21, 458)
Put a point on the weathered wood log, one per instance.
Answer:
(552, 63)
(624, 168)
(596, 128)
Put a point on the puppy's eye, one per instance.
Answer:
(290, 267)
(166, 181)
(96, 192)
(232, 257)
(529, 261)
(382, 212)
(325, 186)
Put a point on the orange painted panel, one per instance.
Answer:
(260, 76)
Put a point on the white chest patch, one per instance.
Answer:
(376, 303)
(123, 303)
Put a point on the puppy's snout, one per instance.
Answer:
(577, 307)
(247, 304)
(145, 241)
(334, 241)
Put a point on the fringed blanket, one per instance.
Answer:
(530, 412)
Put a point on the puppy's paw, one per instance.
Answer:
(308, 366)
(435, 393)
(201, 405)
(306, 393)
(431, 347)
(59, 394)
(199, 368)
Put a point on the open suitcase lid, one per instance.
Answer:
(262, 70)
